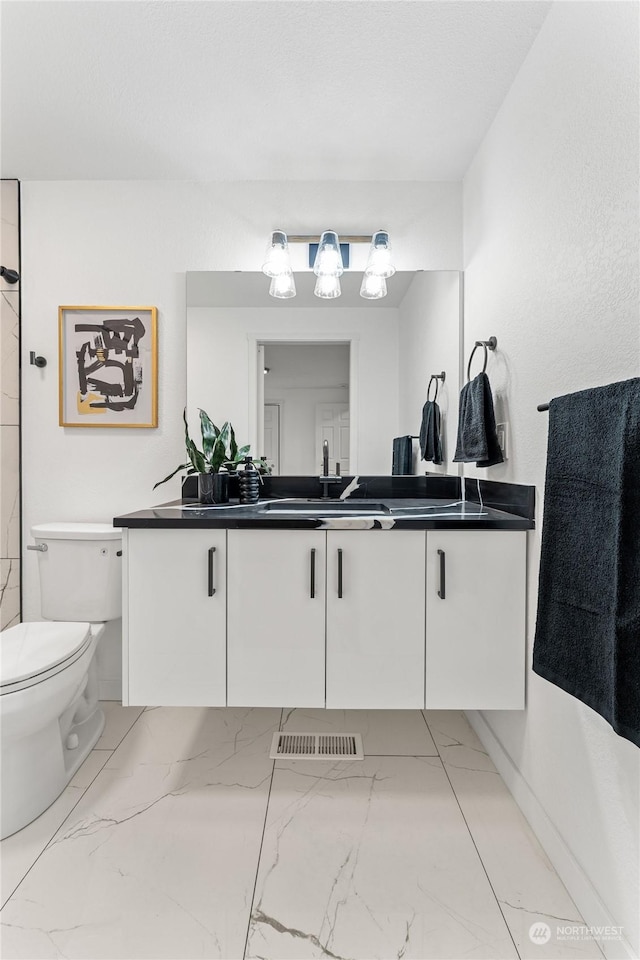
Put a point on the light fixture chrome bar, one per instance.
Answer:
(354, 238)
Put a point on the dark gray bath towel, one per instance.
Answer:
(430, 442)
(402, 456)
(588, 627)
(477, 438)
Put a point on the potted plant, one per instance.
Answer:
(219, 452)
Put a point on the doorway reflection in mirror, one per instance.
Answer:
(306, 401)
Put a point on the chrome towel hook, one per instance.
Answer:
(489, 344)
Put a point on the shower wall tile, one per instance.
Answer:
(9, 230)
(10, 405)
(9, 376)
(10, 493)
(9, 593)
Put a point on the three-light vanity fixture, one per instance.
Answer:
(328, 263)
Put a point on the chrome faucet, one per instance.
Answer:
(325, 477)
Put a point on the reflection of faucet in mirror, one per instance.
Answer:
(325, 477)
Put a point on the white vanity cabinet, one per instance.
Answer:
(175, 617)
(347, 619)
(375, 619)
(276, 618)
(476, 584)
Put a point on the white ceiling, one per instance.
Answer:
(255, 89)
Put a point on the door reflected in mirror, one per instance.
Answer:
(306, 401)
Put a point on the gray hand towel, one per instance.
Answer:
(477, 437)
(588, 627)
(402, 463)
(430, 442)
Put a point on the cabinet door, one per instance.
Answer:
(276, 618)
(476, 631)
(176, 617)
(375, 619)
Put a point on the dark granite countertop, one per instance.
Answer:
(294, 514)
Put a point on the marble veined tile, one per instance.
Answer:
(20, 851)
(9, 593)
(10, 492)
(401, 733)
(9, 359)
(528, 888)
(158, 859)
(371, 859)
(9, 229)
(9, 212)
(118, 722)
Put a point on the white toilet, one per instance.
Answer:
(49, 706)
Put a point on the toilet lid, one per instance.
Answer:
(29, 649)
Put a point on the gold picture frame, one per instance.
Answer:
(108, 366)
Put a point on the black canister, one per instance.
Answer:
(249, 481)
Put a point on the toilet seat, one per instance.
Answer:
(32, 652)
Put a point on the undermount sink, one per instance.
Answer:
(325, 507)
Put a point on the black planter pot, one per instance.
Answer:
(213, 487)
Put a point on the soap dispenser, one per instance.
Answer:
(249, 481)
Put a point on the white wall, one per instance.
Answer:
(131, 243)
(374, 331)
(429, 342)
(551, 269)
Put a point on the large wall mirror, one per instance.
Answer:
(290, 373)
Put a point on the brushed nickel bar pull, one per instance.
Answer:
(212, 589)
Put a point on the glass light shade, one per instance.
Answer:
(327, 287)
(379, 262)
(328, 262)
(276, 260)
(373, 287)
(283, 286)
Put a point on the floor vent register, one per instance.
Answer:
(316, 746)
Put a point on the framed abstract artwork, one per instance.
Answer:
(108, 360)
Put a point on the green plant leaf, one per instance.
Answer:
(218, 456)
(233, 446)
(187, 438)
(210, 434)
(183, 466)
(225, 434)
(197, 458)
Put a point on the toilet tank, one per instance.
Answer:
(80, 571)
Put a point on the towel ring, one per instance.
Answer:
(489, 344)
(436, 377)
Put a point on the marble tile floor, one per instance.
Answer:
(179, 838)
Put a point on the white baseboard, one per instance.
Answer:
(110, 690)
(584, 894)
